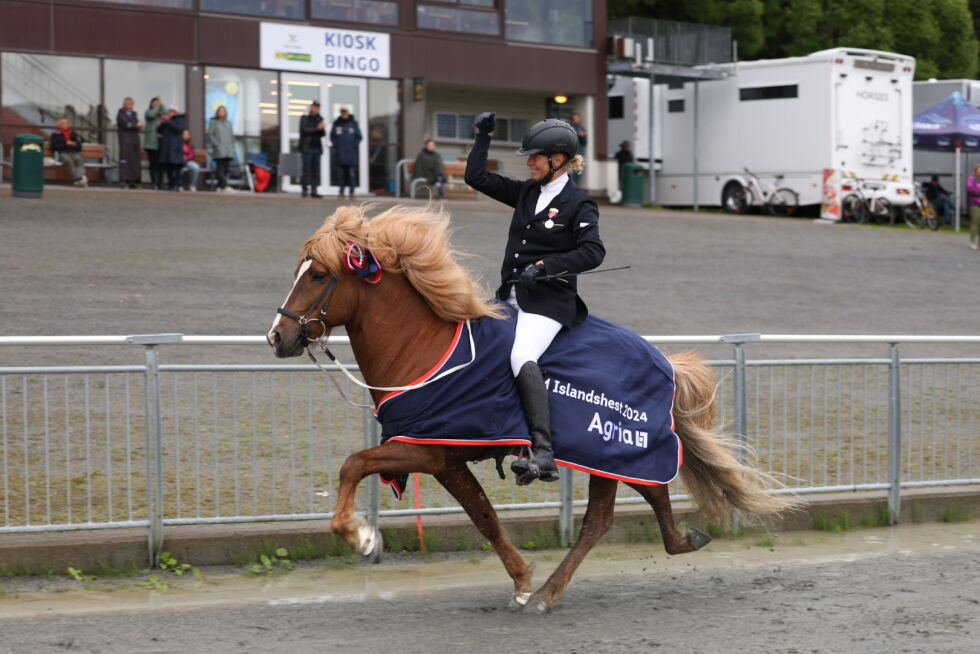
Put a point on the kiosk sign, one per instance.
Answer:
(325, 50)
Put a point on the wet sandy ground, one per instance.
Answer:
(903, 589)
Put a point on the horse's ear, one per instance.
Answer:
(359, 260)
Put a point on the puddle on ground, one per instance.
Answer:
(363, 583)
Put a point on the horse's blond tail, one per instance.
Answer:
(712, 473)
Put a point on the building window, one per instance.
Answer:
(270, 8)
(382, 134)
(450, 19)
(359, 11)
(768, 92)
(166, 4)
(251, 99)
(142, 81)
(459, 127)
(616, 107)
(560, 22)
(39, 89)
(675, 106)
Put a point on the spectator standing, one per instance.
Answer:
(624, 156)
(151, 140)
(171, 145)
(190, 165)
(128, 124)
(222, 146)
(583, 139)
(311, 131)
(67, 148)
(973, 193)
(940, 199)
(429, 166)
(345, 136)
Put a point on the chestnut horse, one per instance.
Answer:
(401, 316)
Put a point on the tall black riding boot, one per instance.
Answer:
(534, 397)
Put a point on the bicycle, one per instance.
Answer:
(737, 199)
(858, 206)
(921, 213)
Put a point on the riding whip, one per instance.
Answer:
(587, 272)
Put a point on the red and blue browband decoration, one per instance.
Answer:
(361, 262)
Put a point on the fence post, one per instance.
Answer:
(566, 519)
(373, 494)
(154, 439)
(894, 435)
(741, 404)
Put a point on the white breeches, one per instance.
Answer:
(533, 336)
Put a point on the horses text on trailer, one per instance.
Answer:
(831, 114)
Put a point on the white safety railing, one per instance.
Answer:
(152, 445)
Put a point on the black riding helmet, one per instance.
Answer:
(550, 137)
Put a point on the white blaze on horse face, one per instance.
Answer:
(299, 275)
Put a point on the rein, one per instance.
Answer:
(326, 298)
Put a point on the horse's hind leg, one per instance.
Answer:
(675, 542)
(596, 522)
(391, 458)
(463, 486)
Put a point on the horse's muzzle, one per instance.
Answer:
(286, 342)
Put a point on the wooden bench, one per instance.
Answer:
(96, 157)
(455, 182)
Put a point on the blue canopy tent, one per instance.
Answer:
(953, 125)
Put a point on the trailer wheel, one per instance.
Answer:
(735, 198)
(783, 202)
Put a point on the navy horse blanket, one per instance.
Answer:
(611, 395)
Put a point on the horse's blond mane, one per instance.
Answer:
(408, 240)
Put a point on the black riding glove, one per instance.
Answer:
(484, 123)
(531, 275)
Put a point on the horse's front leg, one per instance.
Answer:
(465, 488)
(675, 542)
(596, 522)
(391, 458)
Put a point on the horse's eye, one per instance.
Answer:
(318, 276)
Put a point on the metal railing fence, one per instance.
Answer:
(152, 445)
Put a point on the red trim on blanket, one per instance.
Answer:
(447, 441)
(430, 373)
(632, 480)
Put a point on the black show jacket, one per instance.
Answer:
(570, 245)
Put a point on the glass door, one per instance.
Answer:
(297, 92)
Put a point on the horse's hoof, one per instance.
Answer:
(372, 544)
(518, 601)
(537, 607)
(697, 538)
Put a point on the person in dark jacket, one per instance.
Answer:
(66, 145)
(940, 198)
(311, 131)
(129, 125)
(345, 136)
(554, 231)
(429, 166)
(171, 146)
(151, 141)
(623, 157)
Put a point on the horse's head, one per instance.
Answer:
(321, 298)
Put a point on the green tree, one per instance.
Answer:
(941, 34)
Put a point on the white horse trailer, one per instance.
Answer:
(814, 120)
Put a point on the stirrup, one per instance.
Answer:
(527, 470)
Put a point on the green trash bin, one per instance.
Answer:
(28, 160)
(634, 180)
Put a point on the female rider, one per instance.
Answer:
(554, 232)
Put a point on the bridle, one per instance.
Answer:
(326, 294)
(371, 275)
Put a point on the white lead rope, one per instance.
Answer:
(343, 368)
